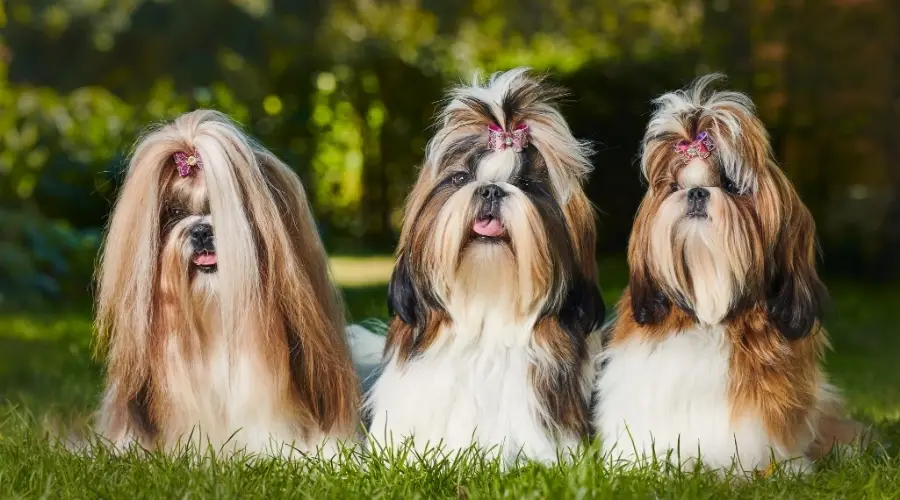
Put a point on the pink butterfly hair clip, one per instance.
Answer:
(500, 140)
(186, 162)
(702, 147)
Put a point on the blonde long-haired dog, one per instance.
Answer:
(215, 311)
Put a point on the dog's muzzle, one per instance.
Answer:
(697, 199)
(488, 221)
(204, 243)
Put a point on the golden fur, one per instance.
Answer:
(749, 266)
(270, 303)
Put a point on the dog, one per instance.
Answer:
(493, 293)
(215, 311)
(717, 346)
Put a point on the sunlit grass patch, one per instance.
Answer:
(48, 378)
(361, 271)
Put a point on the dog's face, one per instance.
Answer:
(188, 244)
(720, 228)
(490, 224)
(498, 222)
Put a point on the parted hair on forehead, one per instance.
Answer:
(507, 99)
(742, 142)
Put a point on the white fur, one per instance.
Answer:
(695, 174)
(654, 398)
(474, 384)
(366, 350)
(472, 387)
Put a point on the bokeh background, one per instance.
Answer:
(345, 92)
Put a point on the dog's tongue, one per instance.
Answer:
(205, 259)
(488, 227)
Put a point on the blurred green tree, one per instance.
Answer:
(345, 91)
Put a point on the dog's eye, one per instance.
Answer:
(176, 213)
(523, 183)
(460, 178)
(674, 187)
(730, 186)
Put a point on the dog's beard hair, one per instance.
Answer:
(467, 274)
(186, 299)
(705, 263)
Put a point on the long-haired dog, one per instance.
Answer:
(493, 293)
(215, 308)
(716, 352)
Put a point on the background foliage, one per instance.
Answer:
(345, 91)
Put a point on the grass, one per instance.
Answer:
(47, 378)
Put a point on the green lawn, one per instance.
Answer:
(48, 380)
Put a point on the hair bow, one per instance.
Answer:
(500, 140)
(702, 146)
(187, 162)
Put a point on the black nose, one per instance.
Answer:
(698, 194)
(202, 234)
(491, 192)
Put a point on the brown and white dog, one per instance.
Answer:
(215, 309)
(494, 292)
(716, 352)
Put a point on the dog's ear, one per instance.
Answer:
(795, 295)
(583, 310)
(404, 299)
(795, 302)
(649, 305)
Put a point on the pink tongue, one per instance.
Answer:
(205, 259)
(488, 227)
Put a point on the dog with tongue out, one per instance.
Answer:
(494, 292)
(215, 314)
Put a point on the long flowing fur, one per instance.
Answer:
(487, 341)
(717, 348)
(270, 303)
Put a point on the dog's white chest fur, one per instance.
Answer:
(672, 397)
(472, 387)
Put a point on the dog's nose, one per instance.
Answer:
(491, 192)
(697, 195)
(202, 234)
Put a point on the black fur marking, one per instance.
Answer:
(583, 310)
(139, 411)
(794, 311)
(403, 298)
(480, 107)
(648, 305)
(514, 101)
(457, 152)
(475, 157)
